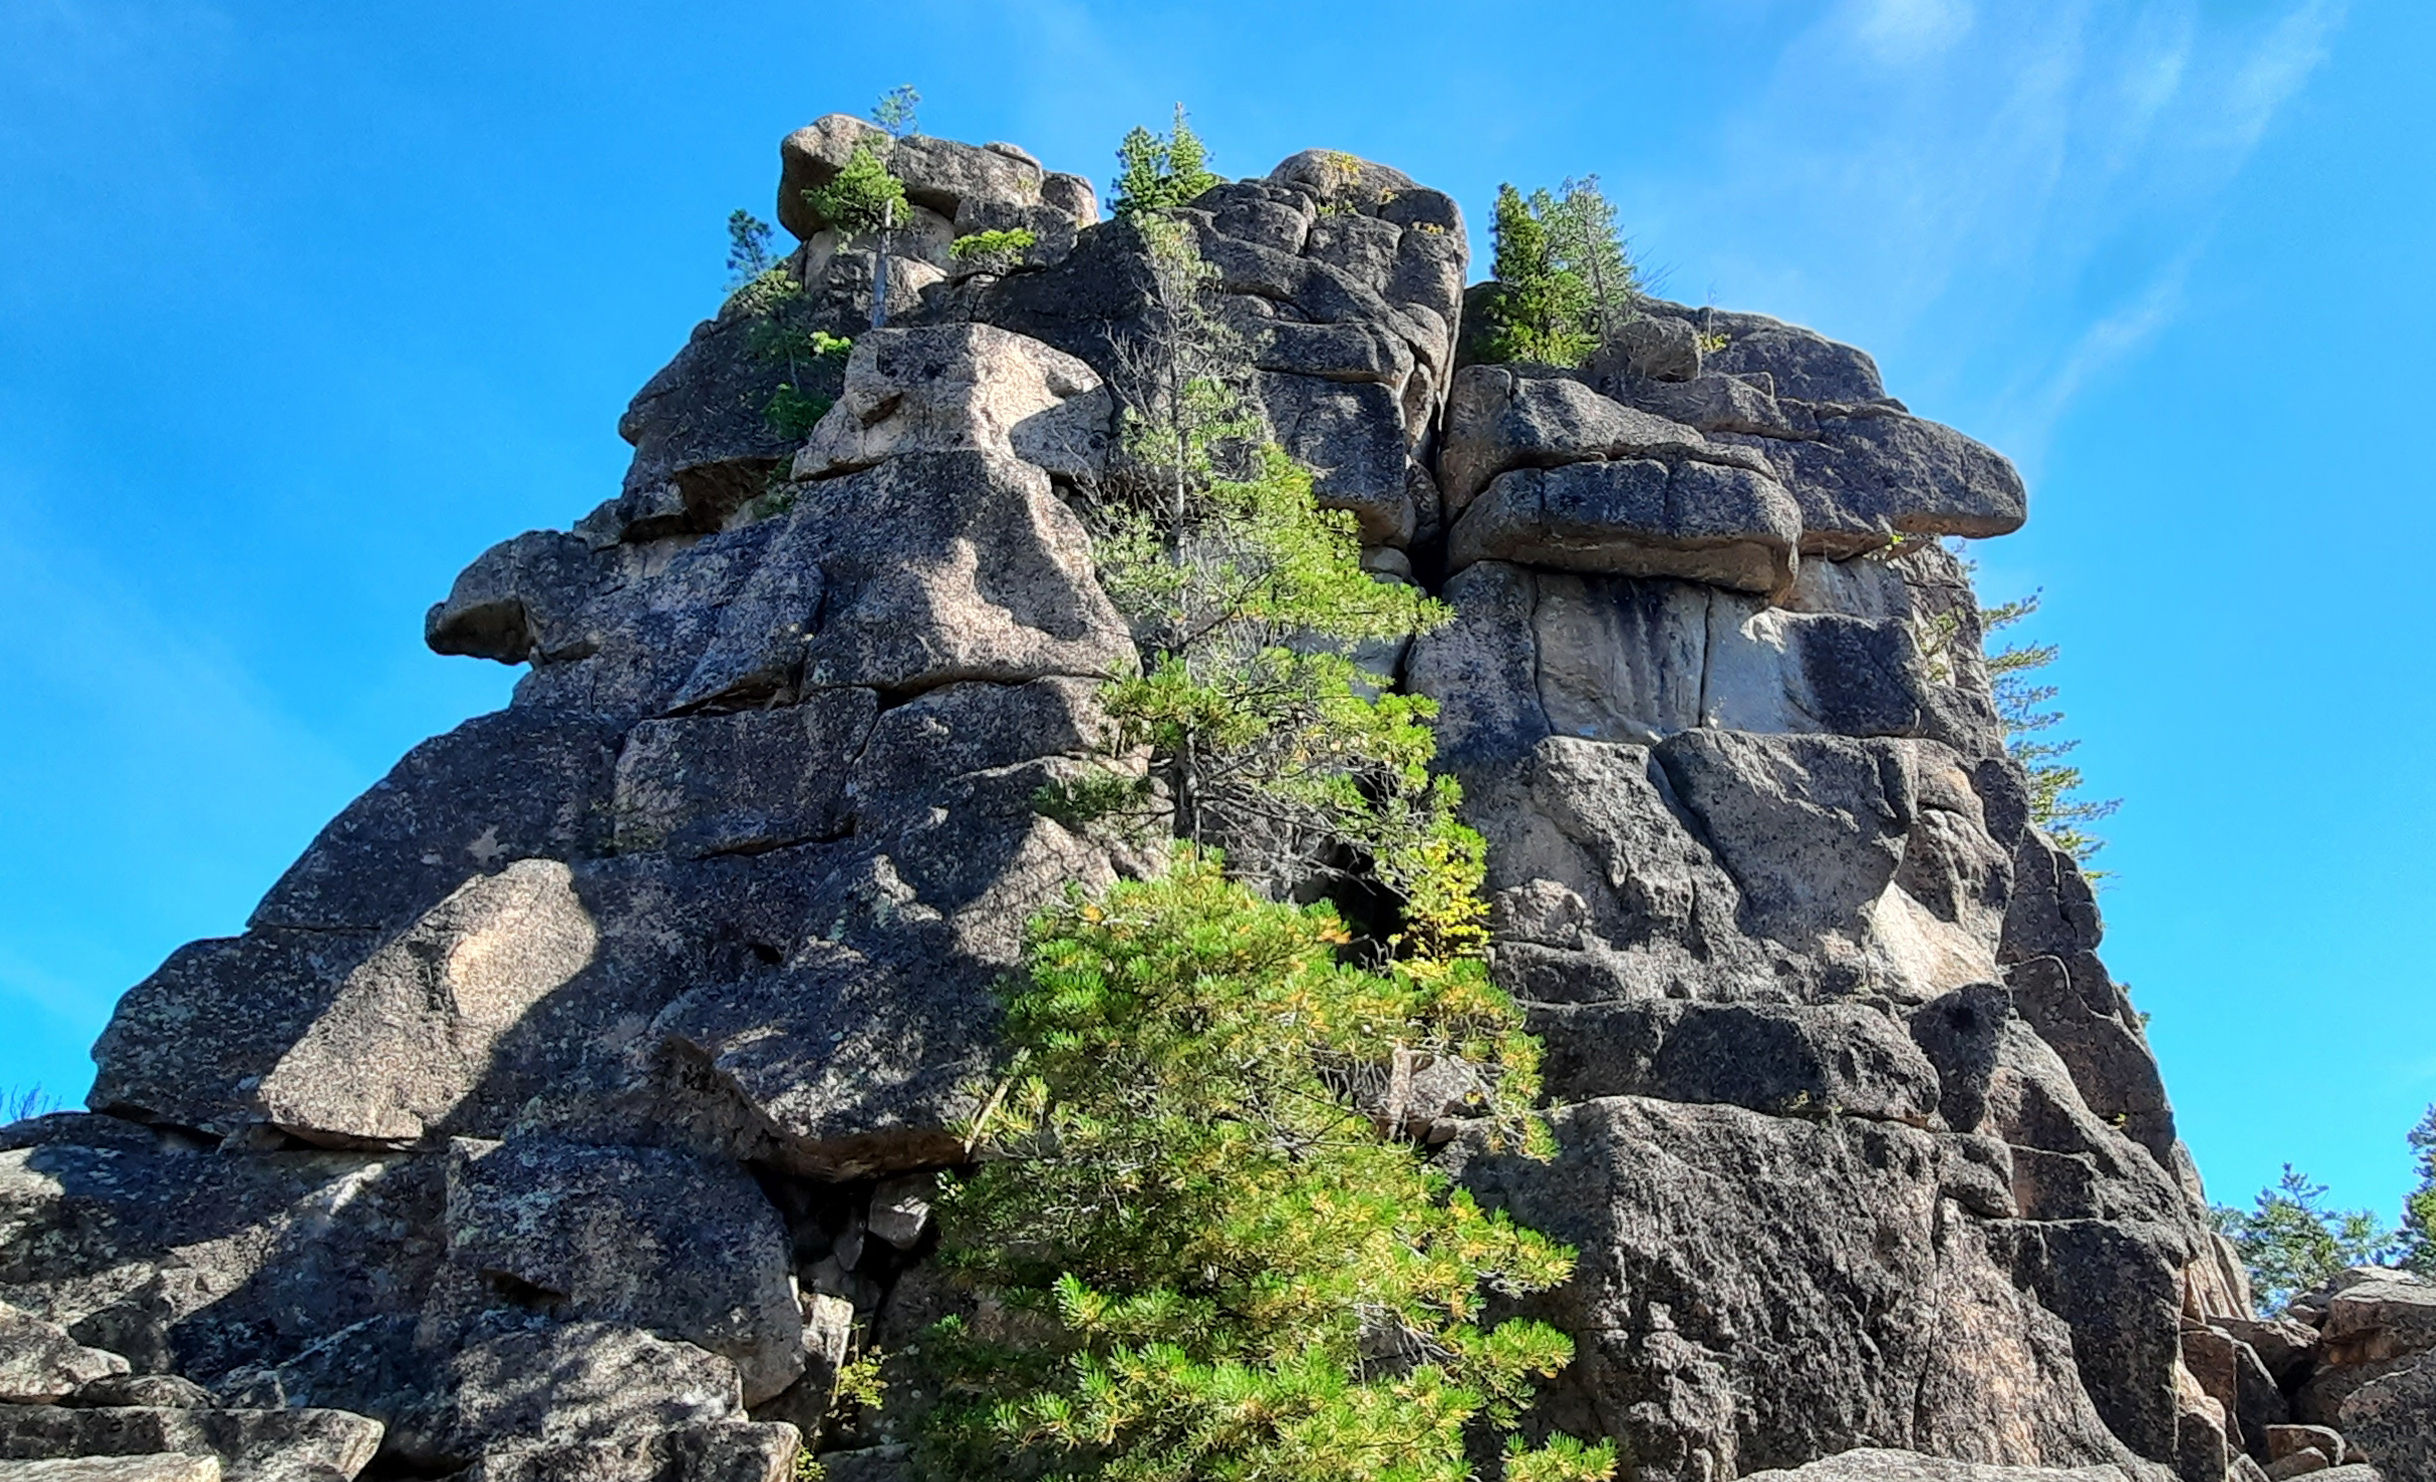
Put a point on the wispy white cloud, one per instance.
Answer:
(1994, 195)
(1906, 32)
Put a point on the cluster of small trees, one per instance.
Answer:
(2291, 1241)
(1565, 281)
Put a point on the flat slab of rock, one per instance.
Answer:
(171, 1468)
(1875, 1464)
(1499, 420)
(2386, 1317)
(252, 1445)
(40, 1363)
(730, 1451)
(1908, 1466)
(1728, 527)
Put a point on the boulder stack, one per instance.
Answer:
(569, 1108)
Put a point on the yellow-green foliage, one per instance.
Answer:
(1247, 601)
(862, 196)
(993, 252)
(1211, 1264)
(1156, 172)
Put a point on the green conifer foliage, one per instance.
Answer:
(2290, 1241)
(896, 112)
(865, 199)
(1584, 237)
(2419, 1206)
(1157, 172)
(1541, 305)
(1247, 601)
(1210, 1263)
(2055, 804)
(748, 247)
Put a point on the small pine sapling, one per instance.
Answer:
(2054, 784)
(748, 248)
(1584, 237)
(1158, 172)
(1211, 1258)
(894, 112)
(993, 251)
(864, 199)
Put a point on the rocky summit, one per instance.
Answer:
(568, 1110)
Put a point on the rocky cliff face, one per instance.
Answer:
(563, 1110)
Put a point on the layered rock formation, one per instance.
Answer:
(566, 1109)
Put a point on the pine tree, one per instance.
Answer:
(2291, 1241)
(1540, 305)
(895, 112)
(864, 198)
(748, 247)
(2054, 784)
(1246, 600)
(2419, 1206)
(1206, 1259)
(1158, 172)
(1584, 238)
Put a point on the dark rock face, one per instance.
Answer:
(569, 1108)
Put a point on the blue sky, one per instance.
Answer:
(303, 305)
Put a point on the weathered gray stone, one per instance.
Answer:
(1867, 477)
(2077, 1008)
(940, 175)
(1810, 827)
(1649, 345)
(684, 625)
(2297, 1464)
(152, 1391)
(1787, 1060)
(842, 1065)
(961, 387)
(580, 1384)
(198, 1262)
(517, 599)
(745, 782)
(952, 566)
(170, 1467)
(2236, 1379)
(678, 1244)
(1834, 1339)
(2289, 1349)
(1352, 437)
(1802, 362)
(1499, 419)
(1701, 522)
(410, 1032)
(1877, 1464)
(2283, 1440)
(2388, 1316)
(900, 1209)
(2052, 912)
(732, 1451)
(40, 1363)
(251, 1445)
(1714, 403)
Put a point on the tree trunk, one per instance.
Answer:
(879, 269)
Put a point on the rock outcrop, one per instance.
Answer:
(568, 1108)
